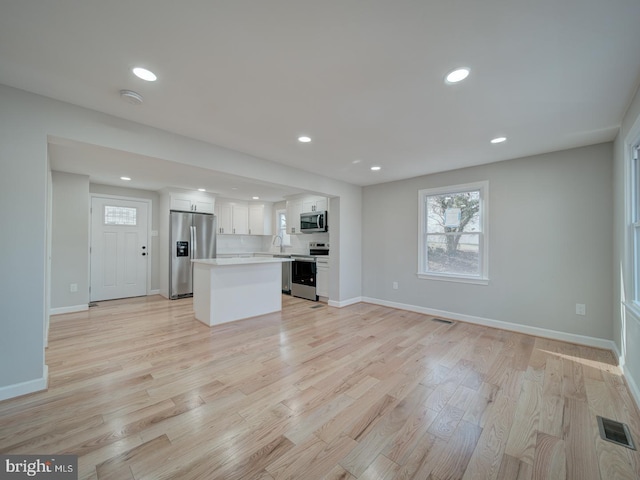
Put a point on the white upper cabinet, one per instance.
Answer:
(204, 205)
(294, 209)
(180, 202)
(314, 204)
(191, 202)
(224, 217)
(242, 218)
(260, 219)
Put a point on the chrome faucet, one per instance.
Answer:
(279, 244)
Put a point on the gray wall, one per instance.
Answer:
(550, 243)
(70, 240)
(626, 325)
(155, 210)
(23, 197)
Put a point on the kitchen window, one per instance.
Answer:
(452, 238)
(281, 219)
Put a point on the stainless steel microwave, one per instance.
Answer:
(313, 222)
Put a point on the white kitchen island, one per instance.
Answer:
(228, 289)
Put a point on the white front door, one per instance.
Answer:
(119, 248)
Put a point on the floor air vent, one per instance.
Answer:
(442, 320)
(615, 432)
(317, 306)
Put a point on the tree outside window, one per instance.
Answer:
(453, 233)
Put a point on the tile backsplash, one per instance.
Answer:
(264, 243)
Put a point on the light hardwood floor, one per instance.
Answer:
(141, 390)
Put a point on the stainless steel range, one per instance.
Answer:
(303, 271)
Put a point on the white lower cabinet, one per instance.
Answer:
(322, 277)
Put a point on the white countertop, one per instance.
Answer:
(221, 262)
(244, 254)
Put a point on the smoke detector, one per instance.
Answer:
(131, 97)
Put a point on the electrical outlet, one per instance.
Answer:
(73, 287)
(581, 309)
(395, 285)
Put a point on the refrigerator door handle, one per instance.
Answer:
(193, 242)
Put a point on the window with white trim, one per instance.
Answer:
(281, 221)
(452, 239)
(635, 220)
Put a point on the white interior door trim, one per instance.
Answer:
(150, 251)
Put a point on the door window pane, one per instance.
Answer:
(120, 215)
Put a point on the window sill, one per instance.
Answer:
(453, 278)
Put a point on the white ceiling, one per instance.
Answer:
(363, 79)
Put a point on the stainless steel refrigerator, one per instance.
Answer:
(193, 235)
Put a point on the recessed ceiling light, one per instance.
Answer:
(126, 179)
(457, 75)
(499, 140)
(202, 189)
(256, 198)
(304, 139)
(145, 74)
(375, 168)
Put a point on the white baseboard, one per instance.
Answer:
(633, 386)
(72, 309)
(154, 292)
(514, 327)
(345, 303)
(24, 388)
